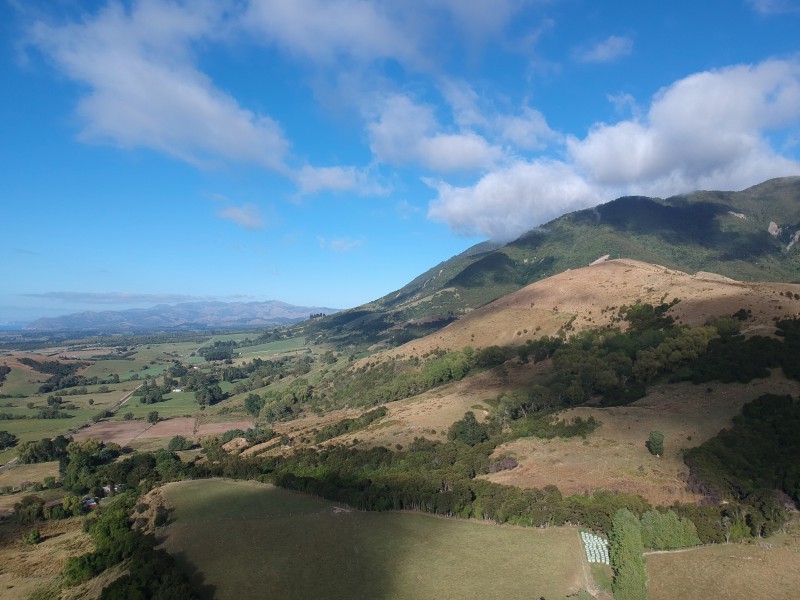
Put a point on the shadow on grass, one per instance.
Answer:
(277, 544)
(205, 590)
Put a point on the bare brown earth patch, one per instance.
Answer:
(126, 432)
(118, 432)
(615, 457)
(168, 428)
(589, 297)
(206, 429)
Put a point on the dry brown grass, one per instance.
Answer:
(31, 473)
(25, 568)
(543, 307)
(427, 415)
(729, 571)
(614, 457)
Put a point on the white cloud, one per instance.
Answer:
(324, 30)
(343, 244)
(144, 91)
(463, 101)
(510, 201)
(707, 131)
(312, 180)
(528, 131)
(398, 128)
(608, 50)
(365, 31)
(407, 133)
(455, 152)
(247, 216)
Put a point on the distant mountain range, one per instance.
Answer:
(187, 315)
(752, 235)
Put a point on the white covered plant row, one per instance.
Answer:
(596, 548)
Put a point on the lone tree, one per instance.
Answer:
(655, 443)
(152, 417)
(468, 430)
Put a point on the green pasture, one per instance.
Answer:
(36, 429)
(231, 337)
(167, 351)
(21, 382)
(272, 348)
(249, 540)
(125, 369)
(175, 404)
(33, 428)
(121, 367)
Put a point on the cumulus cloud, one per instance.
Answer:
(507, 202)
(710, 130)
(247, 216)
(144, 90)
(527, 131)
(405, 132)
(608, 50)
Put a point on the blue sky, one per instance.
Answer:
(326, 152)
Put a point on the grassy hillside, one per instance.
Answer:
(747, 235)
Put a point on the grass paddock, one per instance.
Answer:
(251, 540)
(728, 571)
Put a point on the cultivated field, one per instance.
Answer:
(140, 434)
(302, 547)
(769, 571)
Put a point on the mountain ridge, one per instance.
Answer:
(749, 235)
(186, 314)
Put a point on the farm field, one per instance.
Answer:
(33, 473)
(303, 547)
(175, 404)
(728, 571)
(273, 348)
(141, 435)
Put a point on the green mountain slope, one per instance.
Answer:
(748, 235)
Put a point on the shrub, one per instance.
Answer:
(33, 537)
(655, 443)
